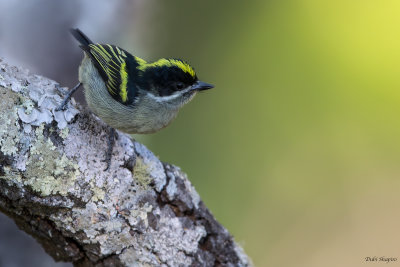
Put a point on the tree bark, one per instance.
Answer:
(139, 212)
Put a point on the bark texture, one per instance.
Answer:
(141, 212)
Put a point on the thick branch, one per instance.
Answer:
(141, 211)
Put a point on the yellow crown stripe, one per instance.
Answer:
(140, 61)
(168, 63)
(124, 82)
(183, 66)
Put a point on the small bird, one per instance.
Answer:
(130, 94)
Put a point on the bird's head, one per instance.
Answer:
(172, 81)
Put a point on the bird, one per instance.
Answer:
(130, 94)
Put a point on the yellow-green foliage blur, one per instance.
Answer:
(297, 149)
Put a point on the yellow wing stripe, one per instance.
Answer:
(98, 55)
(124, 82)
(107, 55)
(115, 55)
(102, 53)
(111, 60)
(118, 50)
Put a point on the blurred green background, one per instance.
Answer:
(296, 151)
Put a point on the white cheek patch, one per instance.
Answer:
(169, 97)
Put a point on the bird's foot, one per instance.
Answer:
(67, 97)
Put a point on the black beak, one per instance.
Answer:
(201, 86)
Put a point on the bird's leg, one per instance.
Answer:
(110, 145)
(68, 97)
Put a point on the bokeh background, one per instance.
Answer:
(297, 149)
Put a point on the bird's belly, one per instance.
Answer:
(140, 118)
(143, 121)
(132, 119)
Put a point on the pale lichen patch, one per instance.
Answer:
(154, 166)
(140, 215)
(98, 193)
(46, 175)
(10, 175)
(64, 132)
(8, 121)
(28, 104)
(141, 173)
(131, 258)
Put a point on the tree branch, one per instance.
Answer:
(139, 212)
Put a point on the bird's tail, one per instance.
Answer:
(81, 37)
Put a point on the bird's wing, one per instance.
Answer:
(111, 63)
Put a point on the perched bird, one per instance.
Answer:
(130, 94)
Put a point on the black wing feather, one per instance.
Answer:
(112, 63)
(81, 37)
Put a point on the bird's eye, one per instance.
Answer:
(179, 86)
